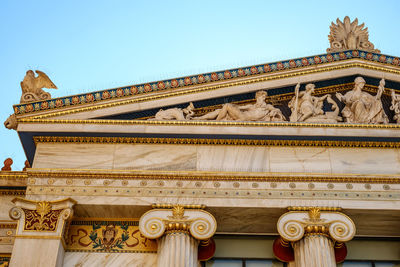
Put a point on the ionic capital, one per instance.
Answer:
(293, 225)
(41, 218)
(178, 218)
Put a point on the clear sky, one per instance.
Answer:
(85, 46)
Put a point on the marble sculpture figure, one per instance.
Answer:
(362, 107)
(175, 113)
(395, 106)
(308, 108)
(349, 35)
(260, 111)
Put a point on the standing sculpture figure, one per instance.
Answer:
(260, 111)
(395, 106)
(362, 107)
(308, 108)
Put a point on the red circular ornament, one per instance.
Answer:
(206, 250)
(283, 251)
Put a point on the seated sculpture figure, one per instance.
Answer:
(395, 106)
(308, 108)
(362, 107)
(260, 111)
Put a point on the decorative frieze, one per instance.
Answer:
(107, 235)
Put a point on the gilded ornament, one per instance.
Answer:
(177, 212)
(314, 214)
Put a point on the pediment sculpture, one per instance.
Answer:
(259, 111)
(175, 114)
(395, 106)
(348, 35)
(32, 87)
(308, 108)
(362, 107)
(359, 107)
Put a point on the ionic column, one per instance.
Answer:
(40, 230)
(314, 234)
(178, 230)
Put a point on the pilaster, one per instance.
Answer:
(40, 230)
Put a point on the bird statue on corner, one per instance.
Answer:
(32, 87)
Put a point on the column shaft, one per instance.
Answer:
(314, 251)
(177, 249)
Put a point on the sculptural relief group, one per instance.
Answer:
(359, 107)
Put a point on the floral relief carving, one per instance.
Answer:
(41, 219)
(348, 35)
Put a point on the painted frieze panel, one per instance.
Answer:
(108, 236)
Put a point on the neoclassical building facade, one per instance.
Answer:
(291, 163)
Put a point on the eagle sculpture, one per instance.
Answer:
(32, 87)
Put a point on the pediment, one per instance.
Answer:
(208, 89)
(128, 112)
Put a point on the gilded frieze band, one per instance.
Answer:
(211, 176)
(204, 141)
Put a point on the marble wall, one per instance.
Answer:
(88, 259)
(218, 158)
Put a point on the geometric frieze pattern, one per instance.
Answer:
(107, 236)
(215, 189)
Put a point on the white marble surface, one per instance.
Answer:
(37, 253)
(90, 259)
(145, 157)
(5, 206)
(218, 158)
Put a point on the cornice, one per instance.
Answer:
(213, 176)
(204, 141)
(382, 63)
(13, 175)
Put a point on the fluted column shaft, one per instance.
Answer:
(314, 251)
(313, 232)
(177, 249)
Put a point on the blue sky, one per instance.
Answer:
(85, 46)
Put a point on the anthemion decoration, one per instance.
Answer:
(239, 167)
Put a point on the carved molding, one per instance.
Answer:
(294, 225)
(199, 223)
(44, 218)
